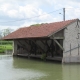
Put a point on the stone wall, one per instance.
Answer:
(71, 43)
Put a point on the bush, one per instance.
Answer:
(43, 57)
(2, 51)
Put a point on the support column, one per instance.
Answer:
(14, 48)
(52, 48)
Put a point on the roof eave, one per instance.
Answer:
(62, 28)
(43, 37)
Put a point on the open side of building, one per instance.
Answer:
(54, 41)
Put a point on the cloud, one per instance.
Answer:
(12, 27)
(28, 10)
(28, 23)
(19, 11)
(8, 9)
(72, 13)
(12, 13)
(5, 7)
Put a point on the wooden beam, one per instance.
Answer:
(49, 48)
(43, 42)
(27, 42)
(37, 45)
(32, 47)
(56, 37)
(58, 44)
(52, 47)
(23, 46)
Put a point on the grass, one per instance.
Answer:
(3, 48)
(5, 42)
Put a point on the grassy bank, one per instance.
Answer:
(5, 45)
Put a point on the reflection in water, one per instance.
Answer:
(8, 72)
(24, 69)
(51, 70)
(71, 72)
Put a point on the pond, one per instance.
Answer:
(26, 69)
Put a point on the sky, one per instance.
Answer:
(15, 14)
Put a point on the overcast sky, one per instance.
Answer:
(20, 13)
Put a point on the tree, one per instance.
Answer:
(7, 31)
(0, 34)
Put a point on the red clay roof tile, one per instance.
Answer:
(43, 30)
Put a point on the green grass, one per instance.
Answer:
(6, 42)
(5, 47)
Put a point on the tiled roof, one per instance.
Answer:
(39, 31)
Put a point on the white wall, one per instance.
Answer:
(71, 37)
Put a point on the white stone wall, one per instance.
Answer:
(71, 38)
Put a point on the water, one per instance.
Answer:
(25, 69)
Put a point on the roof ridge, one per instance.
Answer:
(66, 20)
(34, 25)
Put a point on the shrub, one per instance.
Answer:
(43, 57)
(2, 51)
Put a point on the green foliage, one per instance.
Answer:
(6, 31)
(36, 25)
(43, 57)
(6, 42)
(2, 49)
(5, 45)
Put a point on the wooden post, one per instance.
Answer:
(52, 47)
(78, 49)
(35, 47)
(47, 48)
(15, 48)
(55, 49)
(70, 49)
(70, 53)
